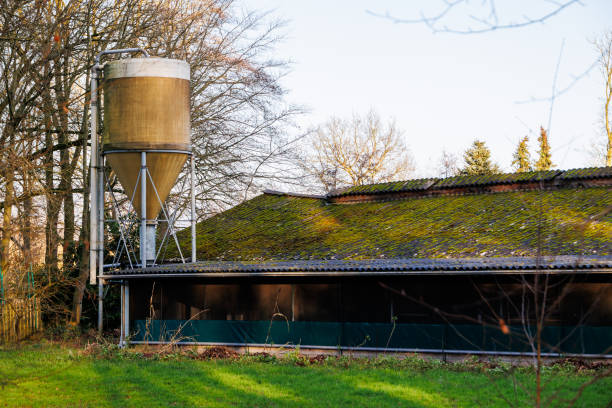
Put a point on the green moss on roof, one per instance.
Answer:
(393, 186)
(487, 179)
(591, 172)
(274, 227)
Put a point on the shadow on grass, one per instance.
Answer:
(220, 384)
(55, 377)
(186, 384)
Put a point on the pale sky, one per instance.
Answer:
(445, 90)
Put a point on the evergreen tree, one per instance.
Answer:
(544, 157)
(478, 160)
(521, 160)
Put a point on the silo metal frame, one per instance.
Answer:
(98, 181)
(125, 244)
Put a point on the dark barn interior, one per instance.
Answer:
(462, 305)
(455, 299)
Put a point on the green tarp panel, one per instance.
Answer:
(581, 339)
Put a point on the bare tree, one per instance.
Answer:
(604, 46)
(596, 150)
(238, 115)
(357, 151)
(13, 108)
(448, 164)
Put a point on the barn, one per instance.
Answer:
(478, 264)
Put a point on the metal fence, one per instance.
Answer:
(19, 317)
(584, 340)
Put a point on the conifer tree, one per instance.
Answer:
(521, 160)
(544, 157)
(478, 160)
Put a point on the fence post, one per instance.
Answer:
(29, 301)
(20, 317)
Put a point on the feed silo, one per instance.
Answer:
(146, 134)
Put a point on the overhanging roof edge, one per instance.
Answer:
(287, 274)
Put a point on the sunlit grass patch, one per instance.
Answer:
(55, 376)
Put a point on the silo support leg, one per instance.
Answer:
(193, 212)
(143, 209)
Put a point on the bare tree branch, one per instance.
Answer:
(437, 21)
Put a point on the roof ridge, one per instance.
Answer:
(552, 179)
(291, 194)
(536, 179)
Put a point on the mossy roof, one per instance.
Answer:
(568, 221)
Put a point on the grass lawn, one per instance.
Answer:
(53, 375)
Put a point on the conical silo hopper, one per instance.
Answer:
(146, 109)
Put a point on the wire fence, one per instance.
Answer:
(19, 317)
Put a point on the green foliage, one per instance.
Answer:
(521, 160)
(62, 332)
(544, 161)
(295, 358)
(478, 160)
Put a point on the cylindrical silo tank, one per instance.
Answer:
(146, 108)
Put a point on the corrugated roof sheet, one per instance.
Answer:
(587, 173)
(487, 180)
(393, 187)
(381, 266)
(424, 185)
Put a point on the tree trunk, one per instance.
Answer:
(51, 235)
(27, 229)
(6, 221)
(79, 289)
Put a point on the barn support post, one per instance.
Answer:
(293, 302)
(100, 306)
(122, 328)
(126, 314)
